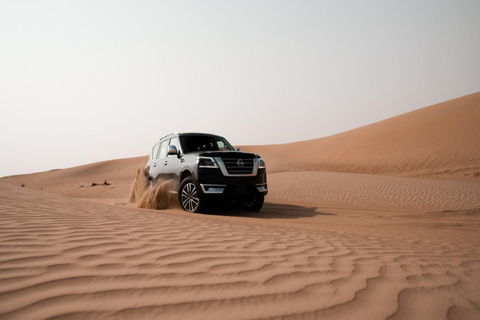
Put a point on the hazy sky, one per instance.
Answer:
(85, 81)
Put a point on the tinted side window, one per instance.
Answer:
(163, 149)
(155, 151)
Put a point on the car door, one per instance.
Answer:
(157, 170)
(162, 154)
(171, 162)
(152, 162)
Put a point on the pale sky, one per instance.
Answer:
(86, 81)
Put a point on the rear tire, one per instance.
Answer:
(252, 203)
(188, 196)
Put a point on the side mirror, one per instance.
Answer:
(237, 149)
(172, 150)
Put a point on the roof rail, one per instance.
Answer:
(167, 135)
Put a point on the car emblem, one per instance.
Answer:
(240, 163)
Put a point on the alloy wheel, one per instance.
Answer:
(190, 200)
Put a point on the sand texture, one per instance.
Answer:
(439, 139)
(381, 222)
(73, 259)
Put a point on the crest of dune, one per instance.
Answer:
(437, 139)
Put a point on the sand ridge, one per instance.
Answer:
(374, 191)
(381, 222)
(439, 139)
(130, 263)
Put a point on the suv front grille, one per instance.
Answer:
(238, 166)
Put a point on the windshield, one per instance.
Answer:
(204, 143)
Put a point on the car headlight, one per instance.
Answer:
(261, 163)
(207, 162)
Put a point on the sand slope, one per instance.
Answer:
(76, 182)
(355, 190)
(364, 242)
(437, 139)
(72, 259)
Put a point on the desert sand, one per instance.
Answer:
(380, 222)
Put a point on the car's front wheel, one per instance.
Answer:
(251, 203)
(188, 196)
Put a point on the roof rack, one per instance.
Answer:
(167, 135)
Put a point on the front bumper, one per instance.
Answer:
(212, 183)
(233, 189)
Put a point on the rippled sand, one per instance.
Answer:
(397, 237)
(70, 258)
(364, 191)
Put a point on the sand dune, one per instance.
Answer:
(438, 139)
(374, 191)
(76, 182)
(66, 258)
(381, 222)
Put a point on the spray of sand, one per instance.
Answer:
(160, 195)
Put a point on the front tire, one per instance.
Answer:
(252, 203)
(188, 196)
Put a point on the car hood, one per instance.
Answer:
(227, 154)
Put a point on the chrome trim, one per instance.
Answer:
(172, 150)
(262, 187)
(213, 188)
(223, 168)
